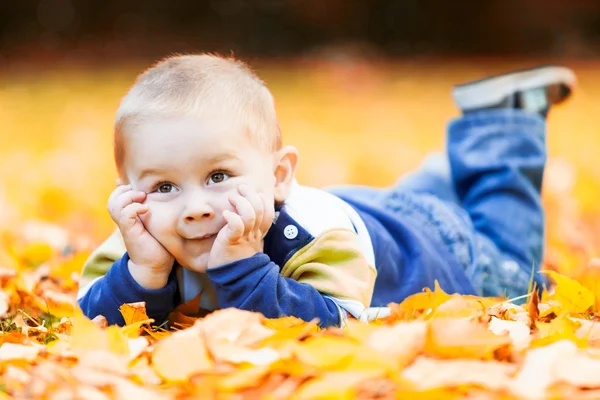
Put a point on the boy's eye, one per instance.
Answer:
(218, 177)
(164, 188)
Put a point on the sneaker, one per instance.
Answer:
(533, 90)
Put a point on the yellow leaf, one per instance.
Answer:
(134, 312)
(288, 329)
(65, 268)
(36, 253)
(326, 352)
(87, 336)
(244, 378)
(426, 299)
(181, 355)
(590, 279)
(332, 386)
(558, 329)
(459, 307)
(570, 294)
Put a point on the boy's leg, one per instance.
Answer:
(432, 177)
(497, 154)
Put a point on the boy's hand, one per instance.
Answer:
(149, 262)
(242, 236)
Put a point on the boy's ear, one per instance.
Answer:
(285, 172)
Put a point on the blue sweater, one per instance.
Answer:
(406, 256)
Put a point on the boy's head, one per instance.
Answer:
(190, 131)
(199, 86)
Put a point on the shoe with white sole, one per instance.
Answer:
(533, 90)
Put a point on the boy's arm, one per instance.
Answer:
(107, 293)
(106, 284)
(326, 279)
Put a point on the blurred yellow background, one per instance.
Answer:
(353, 122)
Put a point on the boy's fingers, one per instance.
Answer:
(131, 196)
(117, 192)
(245, 211)
(269, 214)
(255, 201)
(131, 212)
(234, 230)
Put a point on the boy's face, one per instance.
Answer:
(189, 169)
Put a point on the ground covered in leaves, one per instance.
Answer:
(434, 345)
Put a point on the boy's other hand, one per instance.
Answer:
(242, 236)
(149, 262)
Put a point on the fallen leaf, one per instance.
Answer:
(326, 352)
(518, 332)
(12, 351)
(535, 376)
(332, 385)
(465, 338)
(417, 303)
(427, 373)
(578, 369)
(459, 307)
(86, 336)
(570, 294)
(134, 312)
(181, 355)
(561, 328)
(533, 309)
(401, 342)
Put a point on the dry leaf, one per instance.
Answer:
(134, 312)
(181, 355)
(535, 375)
(460, 307)
(570, 295)
(427, 373)
(533, 308)
(86, 336)
(12, 351)
(401, 342)
(415, 304)
(518, 332)
(451, 338)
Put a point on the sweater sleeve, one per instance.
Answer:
(107, 293)
(255, 284)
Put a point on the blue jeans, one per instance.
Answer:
(482, 199)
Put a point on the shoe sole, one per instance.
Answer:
(491, 91)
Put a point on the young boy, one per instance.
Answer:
(209, 211)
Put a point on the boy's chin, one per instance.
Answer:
(199, 264)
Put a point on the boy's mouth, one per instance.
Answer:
(202, 237)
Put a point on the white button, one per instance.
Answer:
(290, 232)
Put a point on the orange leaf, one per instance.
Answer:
(181, 355)
(426, 300)
(462, 338)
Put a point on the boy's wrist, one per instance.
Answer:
(147, 277)
(230, 257)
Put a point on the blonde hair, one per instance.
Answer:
(199, 85)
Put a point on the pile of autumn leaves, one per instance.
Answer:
(434, 345)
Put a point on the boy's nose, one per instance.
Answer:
(196, 209)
